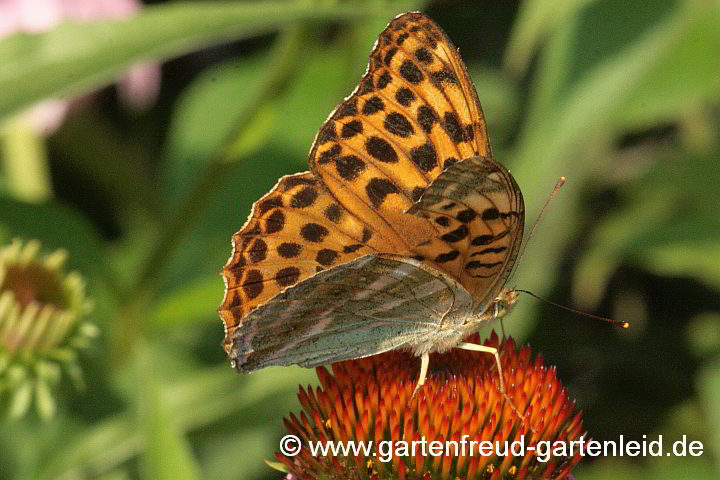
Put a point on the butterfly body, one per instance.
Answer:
(401, 236)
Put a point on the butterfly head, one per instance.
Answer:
(503, 304)
(497, 309)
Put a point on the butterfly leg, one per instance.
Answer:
(492, 350)
(424, 362)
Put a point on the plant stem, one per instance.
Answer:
(284, 62)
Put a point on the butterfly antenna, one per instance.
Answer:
(558, 185)
(617, 323)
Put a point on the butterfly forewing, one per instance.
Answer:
(414, 113)
(293, 232)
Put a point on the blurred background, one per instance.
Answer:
(168, 119)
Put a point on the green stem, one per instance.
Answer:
(25, 155)
(284, 65)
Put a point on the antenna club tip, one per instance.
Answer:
(561, 181)
(625, 324)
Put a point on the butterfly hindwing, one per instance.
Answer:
(372, 304)
(481, 208)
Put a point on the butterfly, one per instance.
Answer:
(402, 234)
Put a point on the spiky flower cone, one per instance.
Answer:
(371, 400)
(41, 327)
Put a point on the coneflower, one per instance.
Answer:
(41, 327)
(371, 399)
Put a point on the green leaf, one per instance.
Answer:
(279, 466)
(74, 57)
(664, 226)
(704, 336)
(688, 77)
(326, 77)
(709, 393)
(168, 456)
(20, 400)
(499, 102)
(217, 97)
(655, 468)
(188, 304)
(56, 226)
(536, 20)
(211, 395)
(44, 400)
(566, 131)
(687, 258)
(611, 242)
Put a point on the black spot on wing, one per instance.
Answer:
(313, 232)
(287, 276)
(423, 55)
(326, 133)
(488, 239)
(389, 55)
(269, 204)
(485, 251)
(326, 256)
(330, 154)
(447, 257)
(467, 215)
(258, 252)
(404, 96)
(252, 284)
(452, 126)
(380, 149)
(352, 248)
(411, 72)
(424, 157)
(366, 235)
(456, 235)
(378, 189)
(304, 198)
(490, 214)
(443, 76)
(349, 167)
(383, 80)
(347, 109)
(333, 213)
(478, 264)
(398, 124)
(289, 249)
(373, 105)
(292, 182)
(275, 222)
(426, 117)
(351, 129)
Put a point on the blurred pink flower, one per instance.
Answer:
(138, 89)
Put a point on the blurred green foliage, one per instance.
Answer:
(620, 97)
